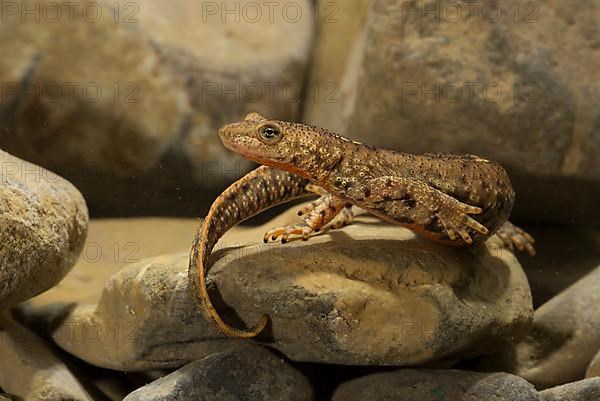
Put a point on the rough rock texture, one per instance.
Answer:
(247, 372)
(373, 294)
(436, 385)
(43, 224)
(29, 368)
(111, 245)
(583, 390)
(564, 338)
(522, 89)
(594, 369)
(145, 319)
(369, 294)
(125, 99)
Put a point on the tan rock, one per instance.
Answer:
(369, 294)
(145, 319)
(243, 372)
(43, 224)
(505, 80)
(30, 370)
(563, 340)
(412, 384)
(583, 390)
(373, 294)
(593, 369)
(126, 98)
(333, 87)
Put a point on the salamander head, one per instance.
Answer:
(298, 148)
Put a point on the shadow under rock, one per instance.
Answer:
(564, 255)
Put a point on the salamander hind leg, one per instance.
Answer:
(515, 237)
(316, 215)
(344, 218)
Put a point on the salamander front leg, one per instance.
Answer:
(316, 215)
(452, 214)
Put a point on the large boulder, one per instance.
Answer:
(563, 340)
(125, 99)
(434, 385)
(582, 390)
(512, 81)
(593, 369)
(369, 294)
(30, 370)
(43, 226)
(244, 372)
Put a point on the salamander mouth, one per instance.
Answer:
(234, 147)
(249, 154)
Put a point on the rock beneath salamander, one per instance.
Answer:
(371, 294)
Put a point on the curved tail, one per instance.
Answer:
(257, 191)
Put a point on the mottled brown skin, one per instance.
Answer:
(452, 199)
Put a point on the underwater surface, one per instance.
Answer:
(363, 200)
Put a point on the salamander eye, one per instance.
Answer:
(269, 134)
